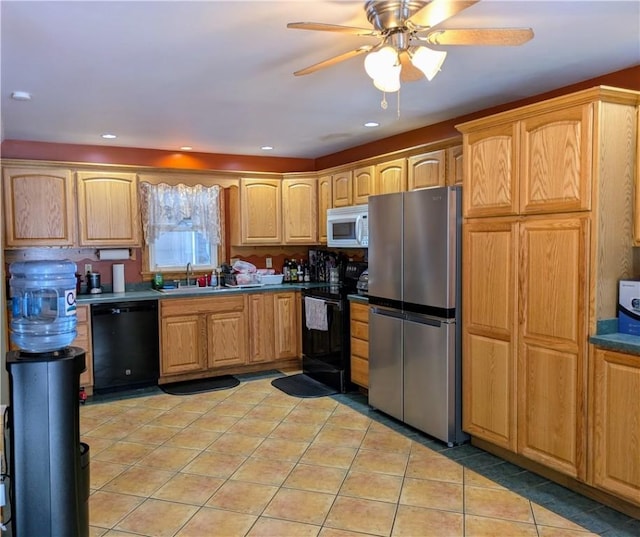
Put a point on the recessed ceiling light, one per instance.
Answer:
(21, 96)
(109, 136)
(267, 148)
(371, 124)
(186, 148)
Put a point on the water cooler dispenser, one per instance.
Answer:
(48, 465)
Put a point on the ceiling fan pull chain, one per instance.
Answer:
(398, 97)
(384, 104)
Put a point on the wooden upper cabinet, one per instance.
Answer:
(491, 187)
(615, 428)
(427, 170)
(39, 207)
(260, 211)
(455, 171)
(556, 152)
(324, 203)
(636, 204)
(342, 189)
(363, 183)
(108, 212)
(299, 211)
(391, 176)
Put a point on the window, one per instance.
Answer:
(181, 224)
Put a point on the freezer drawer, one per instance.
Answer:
(429, 377)
(385, 361)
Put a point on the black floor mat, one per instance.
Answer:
(302, 385)
(189, 387)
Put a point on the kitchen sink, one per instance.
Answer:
(194, 289)
(188, 289)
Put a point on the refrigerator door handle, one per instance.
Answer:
(422, 319)
(387, 312)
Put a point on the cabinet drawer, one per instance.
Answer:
(360, 348)
(359, 312)
(191, 306)
(360, 330)
(360, 372)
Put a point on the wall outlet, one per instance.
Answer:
(269, 262)
(87, 268)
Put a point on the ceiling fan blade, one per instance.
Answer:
(334, 60)
(409, 73)
(479, 36)
(320, 26)
(438, 11)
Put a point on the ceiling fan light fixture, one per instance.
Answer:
(390, 81)
(428, 61)
(377, 64)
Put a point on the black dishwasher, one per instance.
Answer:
(125, 345)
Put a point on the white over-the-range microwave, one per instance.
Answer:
(348, 227)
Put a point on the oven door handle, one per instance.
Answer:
(335, 303)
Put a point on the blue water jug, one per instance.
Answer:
(43, 300)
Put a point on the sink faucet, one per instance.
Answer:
(189, 272)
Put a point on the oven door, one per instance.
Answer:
(324, 351)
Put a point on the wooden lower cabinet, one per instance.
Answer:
(359, 343)
(273, 326)
(201, 333)
(83, 340)
(182, 348)
(524, 340)
(615, 423)
(205, 334)
(489, 313)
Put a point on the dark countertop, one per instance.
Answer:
(364, 299)
(152, 294)
(608, 337)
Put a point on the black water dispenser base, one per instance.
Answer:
(49, 467)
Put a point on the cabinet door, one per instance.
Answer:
(341, 189)
(552, 342)
(615, 428)
(324, 203)
(183, 344)
(490, 164)
(83, 340)
(427, 170)
(391, 176)
(555, 163)
(455, 171)
(108, 209)
(299, 211)
(363, 184)
(359, 321)
(227, 339)
(39, 207)
(261, 327)
(261, 211)
(489, 295)
(286, 325)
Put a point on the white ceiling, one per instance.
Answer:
(217, 75)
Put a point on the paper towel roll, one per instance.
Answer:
(114, 253)
(118, 278)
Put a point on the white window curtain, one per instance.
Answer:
(172, 207)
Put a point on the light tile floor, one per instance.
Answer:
(254, 461)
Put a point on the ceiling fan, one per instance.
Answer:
(405, 30)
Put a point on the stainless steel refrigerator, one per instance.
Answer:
(414, 318)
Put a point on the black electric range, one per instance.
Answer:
(326, 348)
